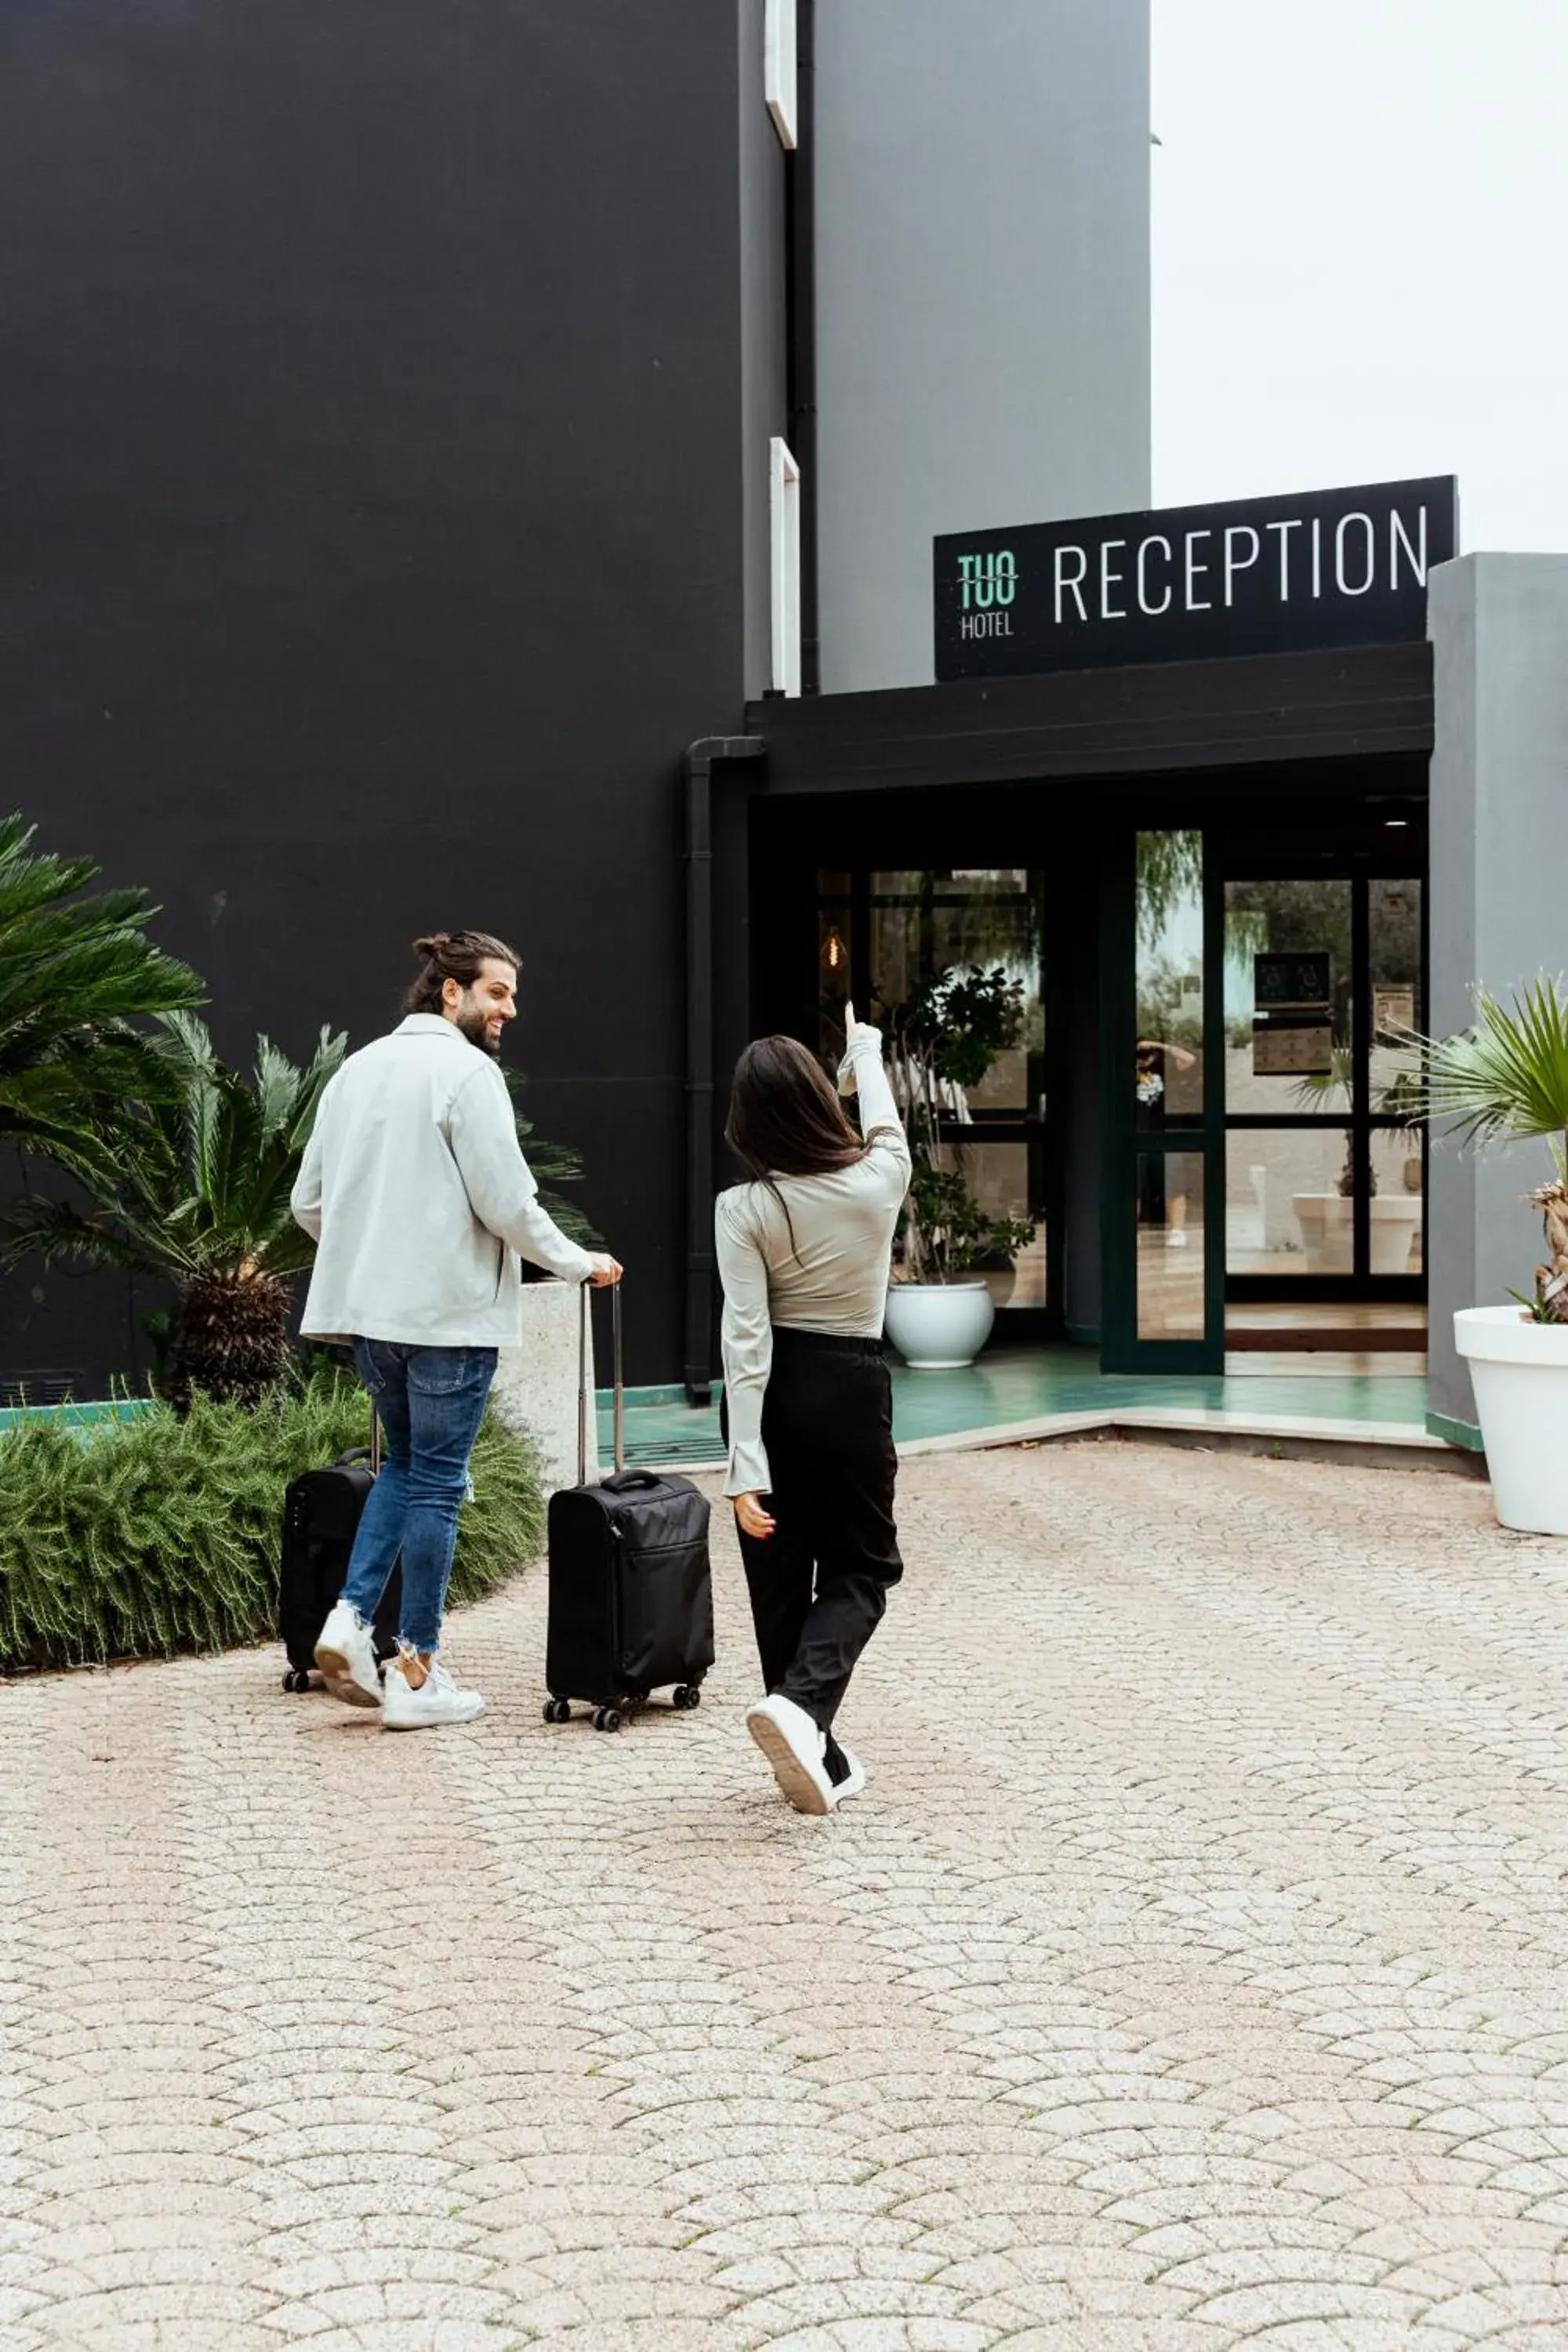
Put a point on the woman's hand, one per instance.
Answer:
(853, 1028)
(751, 1517)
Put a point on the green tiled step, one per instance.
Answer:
(1021, 1385)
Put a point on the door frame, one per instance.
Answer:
(858, 837)
(1360, 1285)
(1122, 1350)
(1125, 1143)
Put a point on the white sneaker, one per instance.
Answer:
(854, 1780)
(439, 1699)
(794, 1744)
(345, 1657)
(1175, 1238)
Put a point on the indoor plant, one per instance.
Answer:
(943, 1041)
(1505, 1080)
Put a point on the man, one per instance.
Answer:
(416, 1189)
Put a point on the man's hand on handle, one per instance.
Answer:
(607, 1271)
(752, 1520)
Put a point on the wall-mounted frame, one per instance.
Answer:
(781, 75)
(784, 507)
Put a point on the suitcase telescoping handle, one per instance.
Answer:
(584, 1395)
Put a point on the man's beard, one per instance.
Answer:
(472, 1025)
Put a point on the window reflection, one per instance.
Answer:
(1170, 1289)
(1168, 1061)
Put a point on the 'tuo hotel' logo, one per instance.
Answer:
(987, 585)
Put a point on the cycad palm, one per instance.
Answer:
(76, 969)
(1505, 1080)
(550, 1165)
(194, 1187)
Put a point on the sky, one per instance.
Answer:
(1360, 253)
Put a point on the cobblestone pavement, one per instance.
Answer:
(1194, 1974)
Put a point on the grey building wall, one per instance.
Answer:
(1499, 625)
(983, 293)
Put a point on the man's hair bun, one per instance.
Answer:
(454, 955)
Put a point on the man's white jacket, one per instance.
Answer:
(417, 1191)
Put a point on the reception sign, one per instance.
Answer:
(1184, 583)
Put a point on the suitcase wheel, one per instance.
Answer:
(557, 1710)
(607, 1718)
(686, 1695)
(296, 1678)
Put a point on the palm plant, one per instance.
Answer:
(192, 1183)
(1399, 1097)
(1505, 1080)
(77, 969)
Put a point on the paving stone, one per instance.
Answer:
(1190, 1975)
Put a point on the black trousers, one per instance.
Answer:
(820, 1582)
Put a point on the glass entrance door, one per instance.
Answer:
(1264, 1188)
(1325, 1177)
(1163, 1201)
(927, 952)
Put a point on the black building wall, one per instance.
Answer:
(372, 420)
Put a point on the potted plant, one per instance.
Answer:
(1505, 1080)
(944, 1040)
(1327, 1219)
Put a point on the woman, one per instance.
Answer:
(804, 1247)
(1156, 1059)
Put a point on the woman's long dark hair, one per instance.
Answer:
(785, 1119)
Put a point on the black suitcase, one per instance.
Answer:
(631, 1594)
(322, 1512)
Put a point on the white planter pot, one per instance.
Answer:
(939, 1327)
(1327, 1221)
(536, 1383)
(1518, 1371)
(1396, 1220)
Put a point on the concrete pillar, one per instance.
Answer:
(1499, 626)
(981, 293)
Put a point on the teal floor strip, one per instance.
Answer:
(1028, 1384)
(73, 1416)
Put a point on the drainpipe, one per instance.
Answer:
(700, 1257)
(800, 327)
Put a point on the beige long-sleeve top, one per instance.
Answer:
(418, 1196)
(830, 1274)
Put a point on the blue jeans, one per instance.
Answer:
(430, 1401)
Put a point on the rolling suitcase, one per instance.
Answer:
(631, 1595)
(320, 1516)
